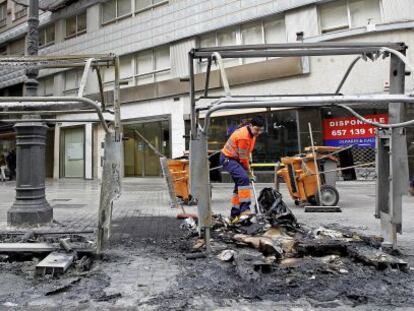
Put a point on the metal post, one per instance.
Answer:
(110, 188)
(315, 162)
(32, 47)
(193, 127)
(201, 185)
(193, 112)
(275, 177)
(30, 206)
(393, 162)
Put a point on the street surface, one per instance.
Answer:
(144, 267)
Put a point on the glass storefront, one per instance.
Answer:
(7, 142)
(279, 139)
(139, 159)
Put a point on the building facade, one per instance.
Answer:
(153, 38)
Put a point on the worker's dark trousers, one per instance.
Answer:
(242, 191)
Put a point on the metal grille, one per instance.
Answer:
(362, 156)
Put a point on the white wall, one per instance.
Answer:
(302, 20)
(397, 10)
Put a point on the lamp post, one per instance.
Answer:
(30, 206)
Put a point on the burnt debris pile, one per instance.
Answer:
(279, 241)
(50, 252)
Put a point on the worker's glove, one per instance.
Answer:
(251, 175)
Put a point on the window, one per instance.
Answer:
(3, 14)
(227, 37)
(19, 11)
(153, 65)
(125, 73)
(17, 47)
(345, 14)
(46, 86)
(3, 50)
(141, 5)
(364, 12)
(76, 25)
(72, 81)
(47, 36)
(263, 32)
(224, 37)
(114, 9)
(252, 34)
(274, 31)
(266, 31)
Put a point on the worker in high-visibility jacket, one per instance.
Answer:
(235, 159)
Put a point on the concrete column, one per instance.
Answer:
(177, 129)
(30, 206)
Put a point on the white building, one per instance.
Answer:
(153, 38)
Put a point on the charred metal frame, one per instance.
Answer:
(61, 105)
(391, 158)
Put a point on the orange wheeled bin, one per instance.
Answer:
(179, 170)
(299, 175)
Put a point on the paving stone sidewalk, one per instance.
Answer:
(76, 204)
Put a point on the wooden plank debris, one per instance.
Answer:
(26, 247)
(36, 248)
(55, 263)
(61, 232)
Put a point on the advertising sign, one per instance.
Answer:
(339, 132)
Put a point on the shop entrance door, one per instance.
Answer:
(139, 159)
(72, 153)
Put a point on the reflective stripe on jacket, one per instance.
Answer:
(239, 146)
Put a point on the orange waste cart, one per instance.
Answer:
(299, 175)
(179, 170)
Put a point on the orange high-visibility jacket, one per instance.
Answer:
(239, 146)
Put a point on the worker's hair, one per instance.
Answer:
(258, 121)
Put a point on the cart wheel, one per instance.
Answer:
(329, 196)
(313, 200)
(297, 202)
